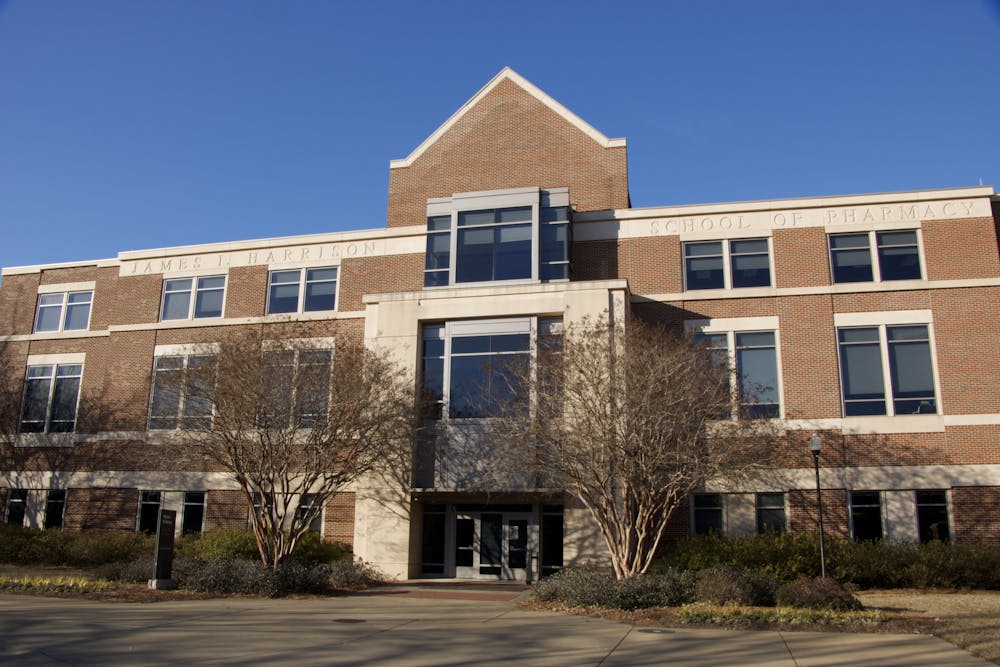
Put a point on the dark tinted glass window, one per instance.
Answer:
(910, 368)
(55, 507)
(708, 514)
(149, 509)
(751, 266)
(861, 372)
(194, 512)
(932, 516)
(770, 512)
(898, 255)
(17, 500)
(851, 258)
(866, 515)
(756, 365)
(703, 265)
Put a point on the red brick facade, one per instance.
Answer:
(513, 138)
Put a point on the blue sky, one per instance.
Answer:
(128, 125)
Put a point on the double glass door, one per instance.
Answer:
(495, 545)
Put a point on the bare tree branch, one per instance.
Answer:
(630, 422)
(294, 426)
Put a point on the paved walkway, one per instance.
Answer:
(406, 626)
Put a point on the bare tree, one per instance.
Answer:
(630, 422)
(10, 395)
(292, 425)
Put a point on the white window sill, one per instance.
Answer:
(897, 424)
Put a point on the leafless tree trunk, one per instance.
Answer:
(630, 421)
(294, 426)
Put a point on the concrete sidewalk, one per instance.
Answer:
(402, 626)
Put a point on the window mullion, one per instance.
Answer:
(734, 375)
(182, 392)
(727, 268)
(51, 398)
(536, 239)
(772, 278)
(64, 311)
(301, 306)
(452, 253)
(446, 374)
(890, 398)
(873, 255)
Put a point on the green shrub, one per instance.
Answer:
(783, 555)
(597, 586)
(240, 543)
(29, 546)
(216, 545)
(817, 593)
(350, 575)
(231, 577)
(578, 586)
(725, 585)
(248, 577)
(13, 544)
(136, 571)
(311, 550)
(863, 564)
(94, 547)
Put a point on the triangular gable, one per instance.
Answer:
(508, 74)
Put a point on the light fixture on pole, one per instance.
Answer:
(815, 442)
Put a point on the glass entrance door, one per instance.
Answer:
(494, 545)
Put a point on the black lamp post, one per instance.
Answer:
(815, 442)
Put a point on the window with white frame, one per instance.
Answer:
(182, 391)
(193, 298)
(298, 386)
(302, 290)
(886, 370)
(51, 398)
(896, 257)
(723, 264)
(506, 235)
(472, 369)
(63, 311)
(752, 357)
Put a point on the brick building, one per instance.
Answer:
(871, 319)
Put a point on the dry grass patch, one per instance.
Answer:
(968, 619)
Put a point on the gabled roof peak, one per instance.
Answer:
(508, 74)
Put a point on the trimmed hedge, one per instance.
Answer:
(87, 548)
(717, 587)
(247, 577)
(863, 564)
(596, 586)
(29, 546)
(817, 593)
(725, 585)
